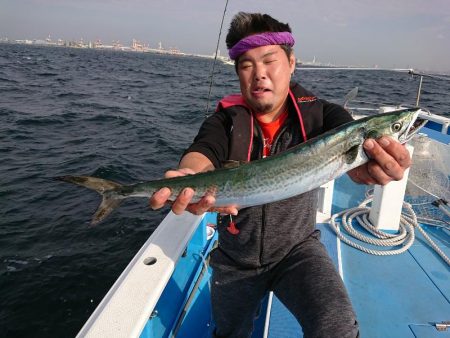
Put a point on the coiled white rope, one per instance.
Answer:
(405, 237)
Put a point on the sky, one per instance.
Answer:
(387, 33)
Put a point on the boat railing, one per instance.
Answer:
(129, 304)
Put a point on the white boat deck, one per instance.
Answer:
(404, 295)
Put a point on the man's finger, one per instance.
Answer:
(178, 172)
(201, 206)
(361, 175)
(385, 161)
(182, 201)
(173, 173)
(225, 210)
(397, 150)
(159, 198)
(377, 173)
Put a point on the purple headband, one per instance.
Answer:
(258, 40)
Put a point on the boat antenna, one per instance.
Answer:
(214, 62)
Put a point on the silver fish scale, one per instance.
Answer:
(301, 171)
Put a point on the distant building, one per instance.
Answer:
(137, 45)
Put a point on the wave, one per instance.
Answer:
(94, 106)
(117, 173)
(47, 74)
(7, 80)
(73, 95)
(40, 121)
(106, 119)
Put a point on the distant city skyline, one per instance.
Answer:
(389, 34)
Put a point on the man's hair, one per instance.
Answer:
(245, 24)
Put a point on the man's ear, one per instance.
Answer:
(292, 62)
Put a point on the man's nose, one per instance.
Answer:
(260, 72)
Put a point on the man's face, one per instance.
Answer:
(264, 76)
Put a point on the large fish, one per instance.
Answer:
(293, 172)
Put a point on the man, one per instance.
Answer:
(273, 246)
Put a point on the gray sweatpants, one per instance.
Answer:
(305, 281)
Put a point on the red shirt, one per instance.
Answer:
(270, 131)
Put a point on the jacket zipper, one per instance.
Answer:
(263, 214)
(263, 218)
(263, 225)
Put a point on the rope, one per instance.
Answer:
(214, 62)
(405, 237)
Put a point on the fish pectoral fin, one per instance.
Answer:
(351, 154)
(232, 164)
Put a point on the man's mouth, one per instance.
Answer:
(260, 90)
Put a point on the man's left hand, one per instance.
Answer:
(388, 161)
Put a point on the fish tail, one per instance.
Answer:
(110, 200)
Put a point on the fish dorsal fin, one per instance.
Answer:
(232, 164)
(351, 154)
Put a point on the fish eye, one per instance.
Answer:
(396, 127)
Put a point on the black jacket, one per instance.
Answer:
(267, 232)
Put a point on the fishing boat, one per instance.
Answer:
(399, 291)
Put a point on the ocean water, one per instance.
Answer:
(120, 116)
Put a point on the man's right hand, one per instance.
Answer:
(183, 200)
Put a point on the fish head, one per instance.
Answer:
(400, 125)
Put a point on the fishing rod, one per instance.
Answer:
(432, 76)
(422, 75)
(214, 62)
(410, 71)
(355, 68)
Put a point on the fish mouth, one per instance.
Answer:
(414, 128)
